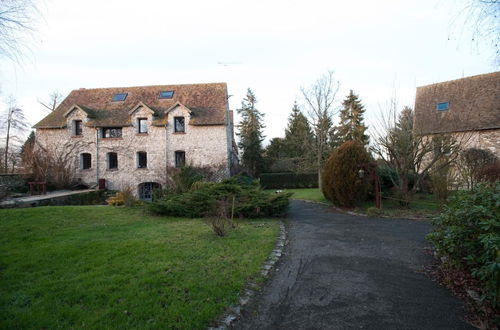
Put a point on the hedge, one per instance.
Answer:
(288, 180)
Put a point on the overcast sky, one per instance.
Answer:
(273, 47)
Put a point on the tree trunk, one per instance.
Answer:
(7, 146)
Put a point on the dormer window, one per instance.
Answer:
(77, 127)
(142, 125)
(119, 97)
(179, 126)
(166, 94)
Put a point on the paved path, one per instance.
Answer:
(343, 272)
(33, 200)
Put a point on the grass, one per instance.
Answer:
(311, 194)
(104, 267)
(423, 205)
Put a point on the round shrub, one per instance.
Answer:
(340, 180)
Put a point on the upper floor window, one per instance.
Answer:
(119, 97)
(142, 125)
(443, 106)
(179, 124)
(112, 159)
(111, 132)
(77, 127)
(166, 94)
(85, 161)
(142, 159)
(180, 158)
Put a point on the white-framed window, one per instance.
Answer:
(142, 125)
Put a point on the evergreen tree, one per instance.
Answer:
(298, 135)
(250, 134)
(351, 120)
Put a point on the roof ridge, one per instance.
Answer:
(482, 75)
(147, 86)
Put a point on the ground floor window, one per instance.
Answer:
(146, 190)
(85, 161)
(180, 158)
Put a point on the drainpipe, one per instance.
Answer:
(97, 155)
(166, 153)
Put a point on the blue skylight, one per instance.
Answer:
(442, 106)
(119, 97)
(166, 94)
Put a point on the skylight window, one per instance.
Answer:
(442, 106)
(166, 94)
(119, 97)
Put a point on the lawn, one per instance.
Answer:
(311, 194)
(423, 205)
(104, 267)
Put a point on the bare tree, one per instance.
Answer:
(319, 99)
(16, 24)
(482, 19)
(409, 152)
(55, 163)
(13, 122)
(53, 102)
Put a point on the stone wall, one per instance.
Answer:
(10, 182)
(203, 146)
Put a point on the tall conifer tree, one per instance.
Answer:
(352, 125)
(298, 134)
(250, 134)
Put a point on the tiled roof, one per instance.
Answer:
(473, 104)
(207, 102)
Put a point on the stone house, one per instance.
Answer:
(134, 136)
(467, 107)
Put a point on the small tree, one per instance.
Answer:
(411, 153)
(351, 120)
(320, 98)
(341, 182)
(13, 123)
(471, 162)
(250, 133)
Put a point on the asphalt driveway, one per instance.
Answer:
(342, 272)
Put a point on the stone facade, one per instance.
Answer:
(203, 145)
(468, 108)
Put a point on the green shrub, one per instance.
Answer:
(468, 234)
(341, 183)
(387, 177)
(184, 178)
(288, 180)
(250, 200)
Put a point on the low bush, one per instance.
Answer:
(250, 200)
(125, 197)
(467, 233)
(288, 180)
